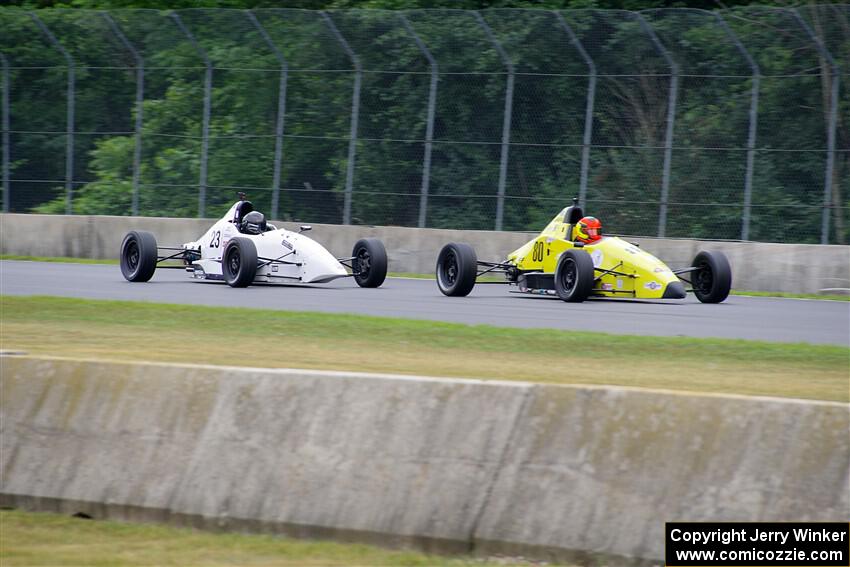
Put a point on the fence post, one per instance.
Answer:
(4, 108)
(588, 111)
(506, 121)
(69, 140)
(205, 128)
(833, 120)
(140, 93)
(751, 134)
(355, 117)
(671, 118)
(281, 111)
(429, 125)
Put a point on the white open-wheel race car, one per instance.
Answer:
(241, 248)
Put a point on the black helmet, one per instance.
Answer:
(253, 223)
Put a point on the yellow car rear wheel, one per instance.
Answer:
(457, 268)
(574, 276)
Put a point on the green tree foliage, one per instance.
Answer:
(550, 82)
(386, 4)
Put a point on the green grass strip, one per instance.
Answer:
(830, 297)
(188, 333)
(60, 259)
(39, 539)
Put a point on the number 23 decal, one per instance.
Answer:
(216, 239)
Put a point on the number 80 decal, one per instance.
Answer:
(537, 252)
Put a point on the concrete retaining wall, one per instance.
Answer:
(797, 268)
(441, 464)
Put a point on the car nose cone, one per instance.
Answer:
(675, 290)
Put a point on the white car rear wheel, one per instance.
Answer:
(138, 256)
(239, 262)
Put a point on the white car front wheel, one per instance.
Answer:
(369, 263)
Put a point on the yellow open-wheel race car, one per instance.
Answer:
(571, 258)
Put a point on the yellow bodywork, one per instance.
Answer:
(633, 272)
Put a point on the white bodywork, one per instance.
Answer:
(282, 255)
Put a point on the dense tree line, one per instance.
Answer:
(392, 4)
(550, 93)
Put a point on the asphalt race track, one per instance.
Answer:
(761, 318)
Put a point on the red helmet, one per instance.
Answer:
(588, 230)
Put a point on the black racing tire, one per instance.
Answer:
(138, 256)
(239, 262)
(574, 276)
(369, 264)
(457, 268)
(713, 278)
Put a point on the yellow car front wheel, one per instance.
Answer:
(713, 278)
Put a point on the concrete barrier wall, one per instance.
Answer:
(797, 268)
(453, 465)
(602, 469)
